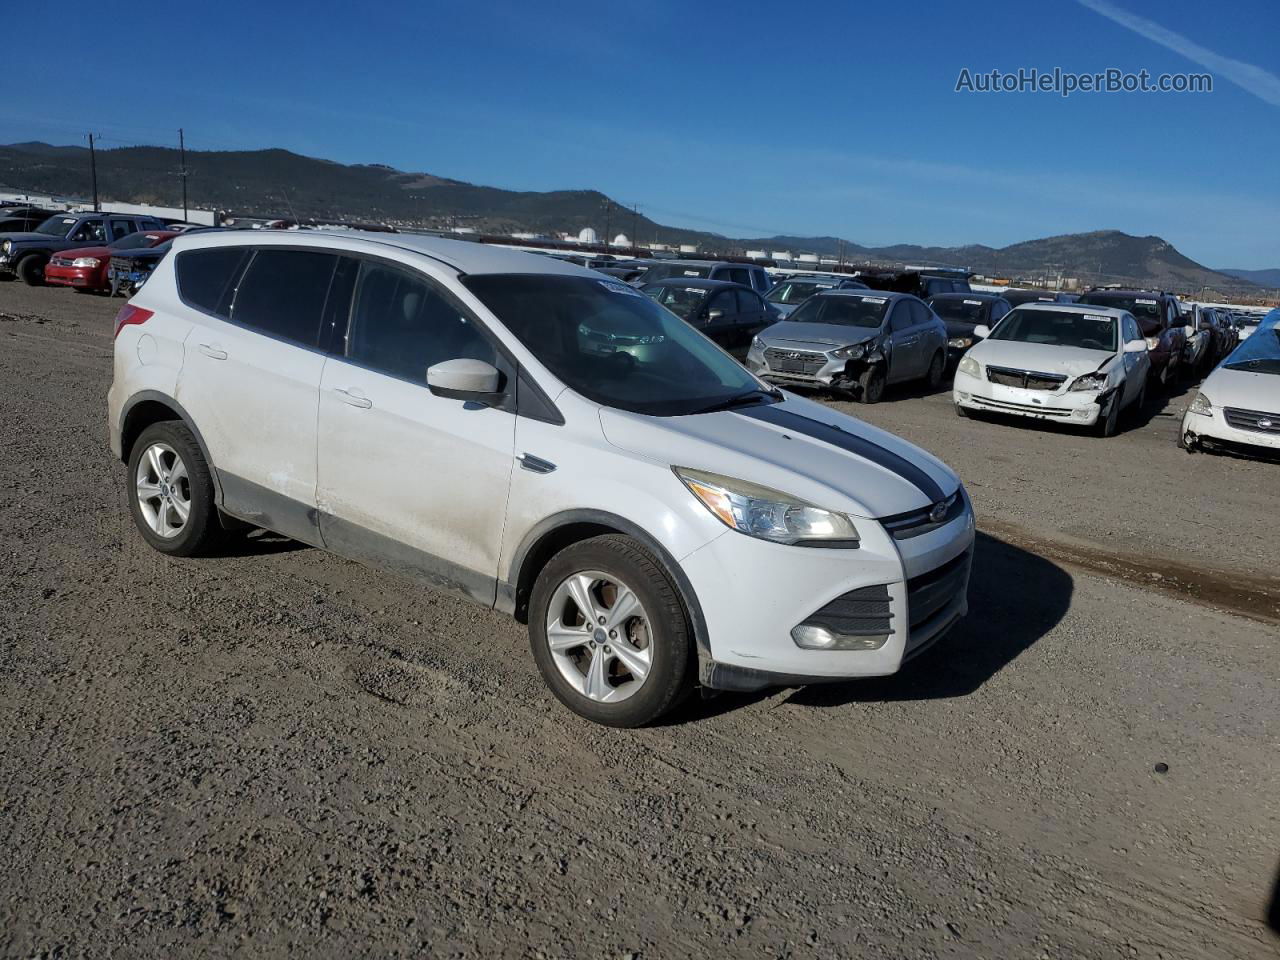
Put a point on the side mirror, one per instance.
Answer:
(1136, 346)
(714, 314)
(981, 331)
(469, 380)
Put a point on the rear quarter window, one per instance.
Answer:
(206, 278)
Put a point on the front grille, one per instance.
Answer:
(805, 362)
(930, 592)
(1026, 379)
(1254, 420)
(859, 613)
(61, 262)
(1020, 407)
(904, 526)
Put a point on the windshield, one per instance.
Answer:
(1058, 328)
(966, 311)
(1260, 352)
(612, 344)
(660, 271)
(1144, 308)
(133, 241)
(682, 301)
(56, 226)
(843, 311)
(794, 291)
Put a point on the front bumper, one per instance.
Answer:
(1214, 432)
(70, 276)
(753, 593)
(1080, 408)
(817, 369)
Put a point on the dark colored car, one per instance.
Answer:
(789, 292)
(26, 254)
(962, 313)
(747, 274)
(922, 284)
(1159, 316)
(728, 313)
(1017, 296)
(85, 269)
(19, 218)
(129, 270)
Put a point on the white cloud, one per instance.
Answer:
(1261, 83)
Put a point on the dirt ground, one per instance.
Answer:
(282, 753)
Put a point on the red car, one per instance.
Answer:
(85, 268)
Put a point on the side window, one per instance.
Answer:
(760, 281)
(1130, 328)
(207, 278)
(901, 318)
(283, 292)
(736, 275)
(748, 302)
(401, 324)
(90, 231)
(121, 228)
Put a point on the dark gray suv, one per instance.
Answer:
(25, 254)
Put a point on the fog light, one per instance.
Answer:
(812, 637)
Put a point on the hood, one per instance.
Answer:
(30, 237)
(1239, 388)
(1041, 357)
(101, 253)
(783, 310)
(796, 446)
(830, 334)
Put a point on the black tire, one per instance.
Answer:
(670, 636)
(31, 270)
(937, 370)
(871, 383)
(1109, 425)
(201, 531)
(1140, 403)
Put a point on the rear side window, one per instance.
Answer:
(283, 294)
(207, 277)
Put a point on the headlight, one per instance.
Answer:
(757, 343)
(970, 367)
(768, 514)
(85, 262)
(851, 352)
(1201, 405)
(1152, 342)
(1090, 381)
(960, 343)
(6, 246)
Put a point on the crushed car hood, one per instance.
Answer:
(1043, 358)
(829, 333)
(797, 446)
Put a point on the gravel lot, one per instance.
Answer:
(281, 752)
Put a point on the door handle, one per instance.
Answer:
(354, 397)
(216, 353)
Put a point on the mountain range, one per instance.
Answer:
(279, 183)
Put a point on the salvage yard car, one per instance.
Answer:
(1237, 409)
(747, 274)
(728, 313)
(25, 254)
(1159, 316)
(962, 313)
(854, 342)
(789, 292)
(433, 406)
(85, 268)
(1056, 361)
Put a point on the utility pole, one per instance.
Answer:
(182, 151)
(635, 226)
(608, 211)
(93, 171)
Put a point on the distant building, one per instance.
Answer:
(781, 255)
(622, 240)
(688, 248)
(758, 254)
(587, 235)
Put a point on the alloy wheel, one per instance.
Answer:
(599, 636)
(164, 490)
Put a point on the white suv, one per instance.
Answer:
(541, 439)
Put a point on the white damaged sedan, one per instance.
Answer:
(1076, 364)
(1237, 409)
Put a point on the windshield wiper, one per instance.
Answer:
(748, 399)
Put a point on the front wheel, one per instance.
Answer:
(31, 270)
(609, 633)
(936, 368)
(872, 383)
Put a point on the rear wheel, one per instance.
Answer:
(31, 270)
(171, 491)
(872, 385)
(609, 633)
(937, 366)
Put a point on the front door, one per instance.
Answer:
(409, 480)
(904, 343)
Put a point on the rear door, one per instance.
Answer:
(752, 318)
(719, 318)
(251, 375)
(407, 479)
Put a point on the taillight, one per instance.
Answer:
(130, 314)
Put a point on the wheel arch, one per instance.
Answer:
(553, 534)
(149, 407)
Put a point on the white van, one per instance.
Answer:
(541, 439)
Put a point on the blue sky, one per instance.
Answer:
(746, 118)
